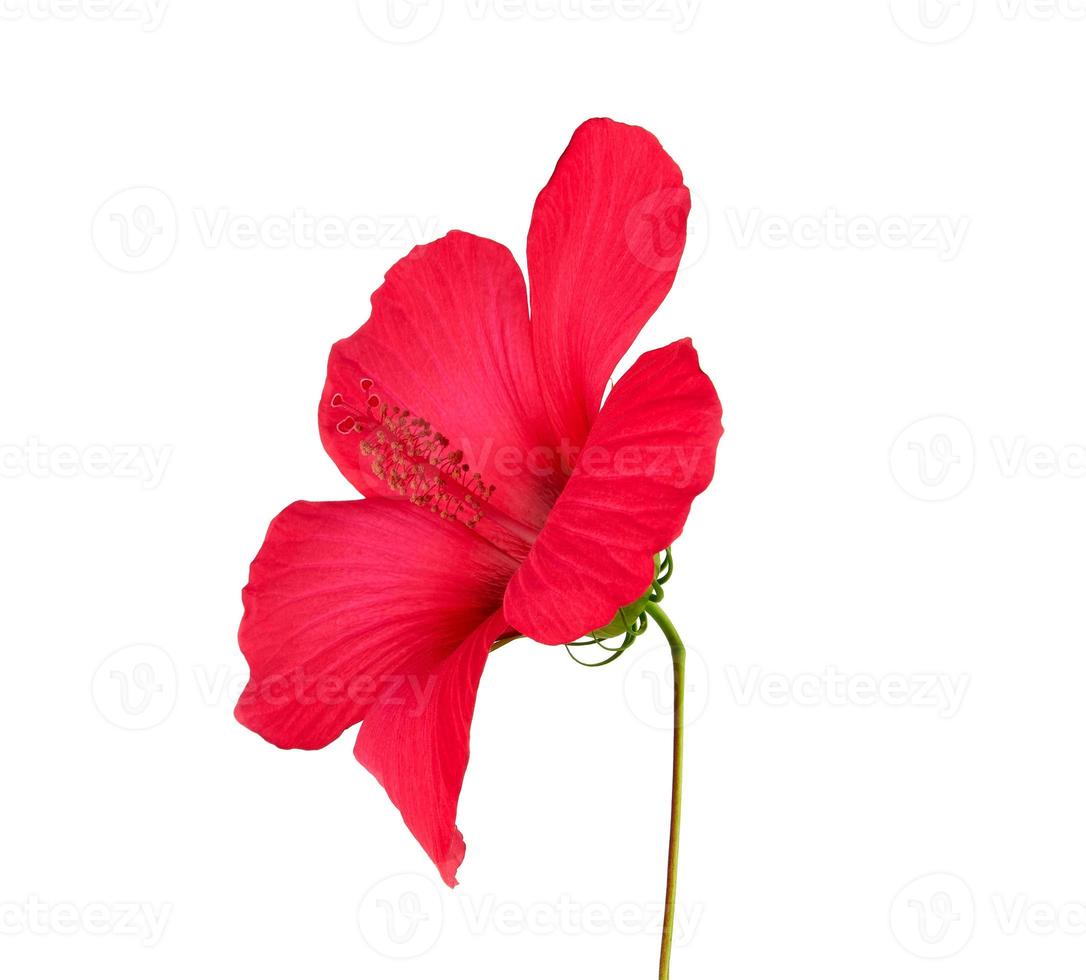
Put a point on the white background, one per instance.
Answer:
(882, 590)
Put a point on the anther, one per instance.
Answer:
(412, 459)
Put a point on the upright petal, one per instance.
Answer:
(419, 750)
(352, 604)
(651, 451)
(606, 238)
(448, 342)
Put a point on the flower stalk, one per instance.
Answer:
(678, 660)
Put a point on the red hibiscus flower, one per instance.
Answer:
(501, 499)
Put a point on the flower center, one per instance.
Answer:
(413, 459)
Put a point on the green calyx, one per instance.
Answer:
(631, 620)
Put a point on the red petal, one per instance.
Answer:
(651, 451)
(448, 339)
(607, 234)
(348, 604)
(419, 751)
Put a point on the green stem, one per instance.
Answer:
(678, 660)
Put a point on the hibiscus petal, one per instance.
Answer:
(418, 749)
(448, 339)
(606, 237)
(350, 603)
(650, 452)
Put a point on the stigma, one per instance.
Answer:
(413, 459)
